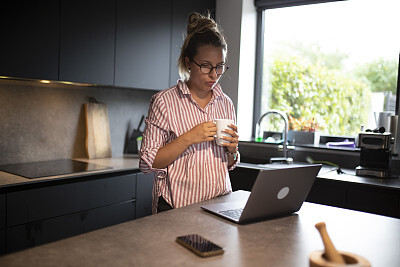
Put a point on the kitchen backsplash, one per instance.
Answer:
(47, 121)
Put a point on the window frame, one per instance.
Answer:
(263, 5)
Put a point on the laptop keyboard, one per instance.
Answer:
(234, 214)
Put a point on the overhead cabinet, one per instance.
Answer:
(87, 41)
(143, 41)
(180, 11)
(29, 44)
(121, 43)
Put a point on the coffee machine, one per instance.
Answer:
(375, 156)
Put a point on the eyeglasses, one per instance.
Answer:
(207, 68)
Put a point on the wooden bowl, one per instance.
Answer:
(318, 259)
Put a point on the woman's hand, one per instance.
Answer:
(233, 139)
(202, 132)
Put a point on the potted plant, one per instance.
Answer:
(303, 131)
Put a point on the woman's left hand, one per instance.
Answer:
(233, 139)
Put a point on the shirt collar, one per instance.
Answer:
(217, 90)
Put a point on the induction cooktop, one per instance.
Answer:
(32, 170)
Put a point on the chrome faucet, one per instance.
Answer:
(285, 134)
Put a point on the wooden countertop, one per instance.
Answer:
(286, 241)
(122, 163)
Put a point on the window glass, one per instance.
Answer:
(331, 66)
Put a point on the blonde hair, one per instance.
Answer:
(200, 30)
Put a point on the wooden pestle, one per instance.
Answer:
(330, 251)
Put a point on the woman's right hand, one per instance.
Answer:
(202, 132)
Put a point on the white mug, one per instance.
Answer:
(222, 124)
(382, 119)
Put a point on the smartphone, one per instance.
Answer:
(199, 245)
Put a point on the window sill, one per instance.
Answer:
(321, 146)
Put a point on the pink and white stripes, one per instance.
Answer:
(201, 172)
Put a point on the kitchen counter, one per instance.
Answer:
(285, 241)
(131, 163)
(328, 172)
(346, 190)
(117, 164)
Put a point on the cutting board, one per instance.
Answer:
(98, 139)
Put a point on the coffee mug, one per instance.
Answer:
(382, 119)
(222, 124)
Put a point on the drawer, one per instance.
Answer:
(41, 232)
(52, 201)
(2, 211)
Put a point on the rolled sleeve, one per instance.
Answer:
(154, 137)
(236, 162)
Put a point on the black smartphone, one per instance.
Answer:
(199, 245)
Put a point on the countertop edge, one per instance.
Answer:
(124, 163)
(347, 177)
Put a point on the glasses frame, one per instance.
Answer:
(212, 67)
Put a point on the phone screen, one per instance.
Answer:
(199, 245)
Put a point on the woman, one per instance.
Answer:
(178, 141)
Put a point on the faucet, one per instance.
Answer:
(285, 134)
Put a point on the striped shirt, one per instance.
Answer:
(201, 171)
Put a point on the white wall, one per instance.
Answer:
(238, 19)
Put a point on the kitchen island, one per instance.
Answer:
(284, 241)
(45, 209)
(38, 211)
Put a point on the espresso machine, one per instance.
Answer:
(376, 154)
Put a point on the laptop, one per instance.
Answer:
(275, 193)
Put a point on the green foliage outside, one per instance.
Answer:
(311, 90)
(380, 75)
(314, 85)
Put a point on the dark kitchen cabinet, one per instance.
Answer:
(2, 211)
(328, 192)
(237, 180)
(2, 223)
(149, 38)
(180, 11)
(361, 197)
(44, 231)
(2, 241)
(123, 43)
(143, 41)
(29, 46)
(144, 185)
(52, 201)
(378, 201)
(337, 193)
(54, 211)
(87, 41)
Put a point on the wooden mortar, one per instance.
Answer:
(330, 256)
(318, 259)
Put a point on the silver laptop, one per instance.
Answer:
(275, 193)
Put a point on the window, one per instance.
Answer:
(330, 66)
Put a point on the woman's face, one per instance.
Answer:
(206, 54)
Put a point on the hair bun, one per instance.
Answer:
(200, 30)
(198, 23)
